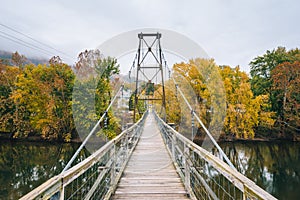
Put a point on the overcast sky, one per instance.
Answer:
(232, 32)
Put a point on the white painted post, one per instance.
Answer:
(62, 192)
(126, 145)
(113, 165)
(187, 178)
(173, 147)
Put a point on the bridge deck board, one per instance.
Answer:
(150, 173)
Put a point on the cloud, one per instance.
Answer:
(231, 31)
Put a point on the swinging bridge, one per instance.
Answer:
(150, 159)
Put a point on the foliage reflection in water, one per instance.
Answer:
(24, 165)
(274, 166)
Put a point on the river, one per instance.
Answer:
(273, 166)
(26, 165)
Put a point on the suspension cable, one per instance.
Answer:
(35, 40)
(203, 126)
(292, 127)
(99, 121)
(132, 66)
(92, 131)
(223, 155)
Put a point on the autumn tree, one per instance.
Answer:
(261, 67)
(286, 89)
(93, 91)
(91, 63)
(46, 92)
(18, 60)
(55, 60)
(263, 82)
(62, 86)
(173, 109)
(188, 75)
(244, 110)
(13, 115)
(37, 99)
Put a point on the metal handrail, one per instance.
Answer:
(104, 167)
(92, 131)
(199, 168)
(212, 139)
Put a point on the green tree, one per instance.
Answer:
(261, 67)
(262, 82)
(94, 91)
(141, 107)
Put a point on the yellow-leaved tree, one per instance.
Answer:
(221, 95)
(244, 111)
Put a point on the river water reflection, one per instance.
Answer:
(24, 165)
(273, 166)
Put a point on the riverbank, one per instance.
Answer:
(259, 138)
(34, 138)
(198, 138)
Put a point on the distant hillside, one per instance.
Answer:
(7, 56)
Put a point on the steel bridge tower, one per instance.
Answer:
(150, 41)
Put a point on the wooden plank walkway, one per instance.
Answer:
(150, 173)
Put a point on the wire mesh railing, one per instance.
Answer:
(97, 176)
(204, 175)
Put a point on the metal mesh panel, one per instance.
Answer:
(204, 175)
